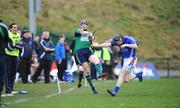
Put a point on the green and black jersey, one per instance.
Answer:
(82, 41)
(3, 37)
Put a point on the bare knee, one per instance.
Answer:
(94, 59)
(126, 81)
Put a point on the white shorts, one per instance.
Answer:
(126, 64)
(130, 60)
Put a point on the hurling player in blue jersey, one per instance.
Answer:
(127, 45)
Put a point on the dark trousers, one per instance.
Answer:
(107, 68)
(11, 73)
(61, 68)
(24, 69)
(3, 70)
(93, 71)
(43, 64)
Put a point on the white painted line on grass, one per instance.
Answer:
(66, 91)
(47, 96)
(22, 100)
(51, 95)
(71, 89)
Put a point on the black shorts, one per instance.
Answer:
(76, 60)
(83, 55)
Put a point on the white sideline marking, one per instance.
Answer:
(71, 89)
(51, 95)
(66, 91)
(22, 100)
(47, 96)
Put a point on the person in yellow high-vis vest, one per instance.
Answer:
(12, 59)
(107, 66)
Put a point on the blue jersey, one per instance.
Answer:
(127, 52)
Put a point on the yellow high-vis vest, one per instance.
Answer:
(15, 39)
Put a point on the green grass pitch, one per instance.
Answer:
(152, 93)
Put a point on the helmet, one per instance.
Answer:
(117, 37)
(84, 21)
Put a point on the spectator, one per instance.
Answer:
(79, 67)
(37, 45)
(107, 65)
(45, 59)
(61, 58)
(4, 43)
(34, 64)
(25, 56)
(12, 59)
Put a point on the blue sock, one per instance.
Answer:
(116, 89)
(138, 75)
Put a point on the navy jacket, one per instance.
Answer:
(46, 55)
(27, 48)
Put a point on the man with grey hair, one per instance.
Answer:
(46, 49)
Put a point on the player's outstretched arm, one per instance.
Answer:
(103, 45)
(129, 45)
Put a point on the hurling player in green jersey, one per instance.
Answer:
(84, 53)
